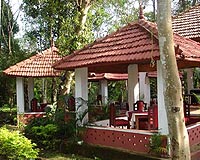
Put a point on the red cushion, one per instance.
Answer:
(187, 119)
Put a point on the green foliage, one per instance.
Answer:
(51, 131)
(45, 134)
(7, 108)
(93, 90)
(45, 88)
(196, 77)
(10, 53)
(153, 85)
(117, 91)
(197, 97)
(63, 18)
(15, 146)
(8, 25)
(182, 5)
(156, 145)
(61, 156)
(8, 114)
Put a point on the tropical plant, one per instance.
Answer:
(51, 131)
(15, 146)
(158, 145)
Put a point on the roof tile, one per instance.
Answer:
(187, 24)
(135, 43)
(39, 65)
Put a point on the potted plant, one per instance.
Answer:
(158, 145)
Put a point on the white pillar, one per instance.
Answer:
(144, 87)
(162, 115)
(133, 85)
(104, 91)
(30, 90)
(81, 92)
(190, 84)
(20, 95)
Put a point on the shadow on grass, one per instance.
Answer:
(102, 153)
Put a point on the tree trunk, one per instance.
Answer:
(9, 31)
(194, 2)
(179, 145)
(154, 9)
(0, 23)
(83, 8)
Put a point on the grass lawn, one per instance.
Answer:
(60, 156)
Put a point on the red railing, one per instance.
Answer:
(131, 140)
(194, 134)
(136, 141)
(26, 117)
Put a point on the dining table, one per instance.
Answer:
(135, 116)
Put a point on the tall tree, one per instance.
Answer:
(179, 147)
(74, 23)
(8, 29)
(0, 24)
(182, 5)
(10, 51)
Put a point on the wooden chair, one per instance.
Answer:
(186, 109)
(153, 117)
(139, 106)
(71, 103)
(114, 121)
(34, 105)
(141, 122)
(187, 98)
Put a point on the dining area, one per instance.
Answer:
(144, 116)
(141, 117)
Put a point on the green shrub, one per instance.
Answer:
(50, 132)
(45, 136)
(158, 144)
(8, 114)
(15, 146)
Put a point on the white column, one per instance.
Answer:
(20, 95)
(30, 90)
(190, 84)
(148, 91)
(133, 85)
(162, 115)
(144, 87)
(81, 92)
(104, 91)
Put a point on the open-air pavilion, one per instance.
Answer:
(37, 66)
(131, 49)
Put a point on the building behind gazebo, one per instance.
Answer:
(187, 24)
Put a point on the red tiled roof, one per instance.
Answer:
(154, 74)
(107, 76)
(187, 24)
(136, 43)
(39, 65)
(117, 76)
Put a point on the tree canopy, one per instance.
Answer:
(60, 20)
